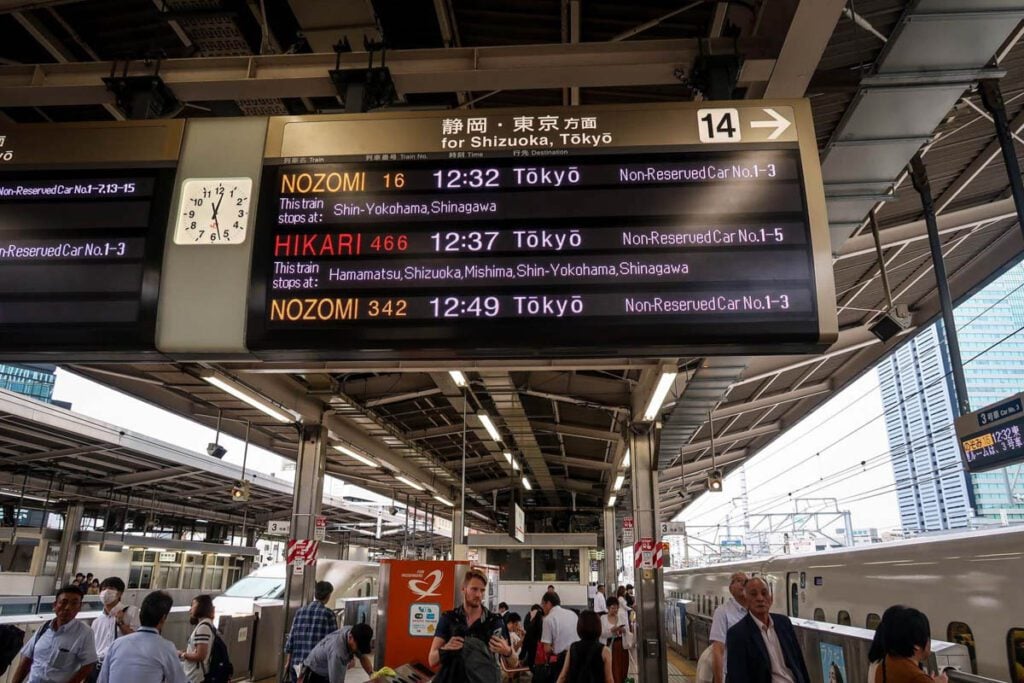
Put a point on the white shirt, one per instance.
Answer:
(780, 672)
(727, 615)
(600, 603)
(59, 653)
(104, 627)
(607, 627)
(559, 629)
(142, 656)
(202, 634)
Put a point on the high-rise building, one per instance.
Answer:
(33, 380)
(992, 346)
(917, 394)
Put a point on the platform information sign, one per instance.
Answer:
(993, 436)
(572, 230)
(81, 242)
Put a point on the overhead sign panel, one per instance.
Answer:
(83, 211)
(993, 436)
(573, 231)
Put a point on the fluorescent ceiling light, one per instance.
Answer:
(658, 397)
(458, 378)
(250, 396)
(356, 456)
(625, 459)
(515, 465)
(480, 515)
(618, 481)
(409, 482)
(485, 419)
(526, 484)
(511, 461)
(157, 550)
(611, 501)
(444, 500)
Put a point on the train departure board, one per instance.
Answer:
(80, 246)
(993, 436)
(556, 232)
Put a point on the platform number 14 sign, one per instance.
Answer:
(718, 125)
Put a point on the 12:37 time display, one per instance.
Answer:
(477, 240)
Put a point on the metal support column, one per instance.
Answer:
(609, 577)
(306, 503)
(919, 176)
(992, 98)
(68, 543)
(650, 645)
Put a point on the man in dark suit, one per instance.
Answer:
(762, 647)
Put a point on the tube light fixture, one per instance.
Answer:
(409, 482)
(625, 459)
(444, 500)
(485, 419)
(249, 396)
(480, 515)
(618, 482)
(658, 397)
(515, 465)
(611, 501)
(458, 377)
(526, 484)
(356, 456)
(511, 461)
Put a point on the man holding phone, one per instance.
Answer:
(469, 634)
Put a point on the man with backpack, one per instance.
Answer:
(63, 649)
(145, 655)
(468, 638)
(330, 659)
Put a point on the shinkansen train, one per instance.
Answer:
(969, 584)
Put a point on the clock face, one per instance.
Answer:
(213, 211)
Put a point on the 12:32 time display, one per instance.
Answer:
(457, 178)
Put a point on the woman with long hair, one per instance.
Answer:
(616, 635)
(533, 629)
(903, 642)
(588, 660)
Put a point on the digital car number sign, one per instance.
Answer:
(993, 436)
(512, 250)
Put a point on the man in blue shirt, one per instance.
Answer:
(145, 655)
(330, 659)
(312, 623)
(63, 649)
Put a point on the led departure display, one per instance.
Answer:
(591, 248)
(993, 436)
(79, 255)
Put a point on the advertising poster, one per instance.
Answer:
(833, 665)
(418, 593)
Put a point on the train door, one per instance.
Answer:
(793, 594)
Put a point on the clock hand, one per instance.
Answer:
(215, 209)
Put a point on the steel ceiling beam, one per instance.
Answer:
(577, 431)
(52, 455)
(813, 24)
(770, 401)
(519, 67)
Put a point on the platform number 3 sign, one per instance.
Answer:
(718, 125)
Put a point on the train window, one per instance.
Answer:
(959, 632)
(872, 621)
(844, 618)
(819, 614)
(1015, 649)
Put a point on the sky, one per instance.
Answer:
(111, 406)
(821, 457)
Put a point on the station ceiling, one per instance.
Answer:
(568, 419)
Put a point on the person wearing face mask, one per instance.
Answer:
(116, 621)
(145, 656)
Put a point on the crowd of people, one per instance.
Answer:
(752, 644)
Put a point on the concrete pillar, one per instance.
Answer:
(460, 550)
(68, 544)
(608, 577)
(306, 502)
(651, 645)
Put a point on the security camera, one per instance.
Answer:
(393, 510)
(215, 450)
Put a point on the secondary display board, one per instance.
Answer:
(575, 231)
(83, 212)
(993, 436)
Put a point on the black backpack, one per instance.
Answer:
(474, 663)
(11, 639)
(220, 669)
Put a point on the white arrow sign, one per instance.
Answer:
(779, 123)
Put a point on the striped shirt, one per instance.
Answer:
(202, 634)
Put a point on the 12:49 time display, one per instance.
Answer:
(465, 307)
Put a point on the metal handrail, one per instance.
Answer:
(955, 676)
